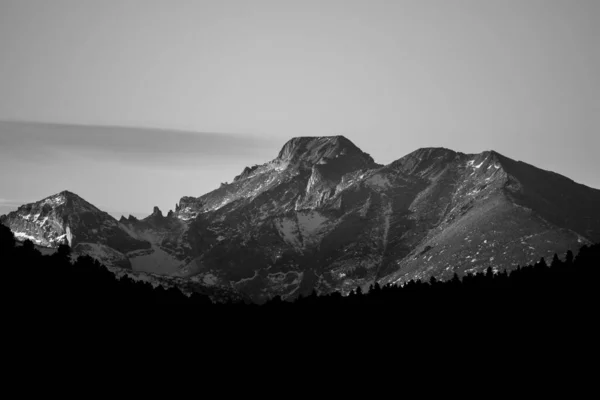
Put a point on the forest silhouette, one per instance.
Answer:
(527, 290)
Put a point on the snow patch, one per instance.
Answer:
(69, 236)
(54, 201)
(221, 204)
(60, 238)
(23, 236)
(30, 217)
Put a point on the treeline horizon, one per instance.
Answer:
(55, 278)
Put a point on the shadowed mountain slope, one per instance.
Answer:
(323, 215)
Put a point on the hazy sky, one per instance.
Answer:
(520, 77)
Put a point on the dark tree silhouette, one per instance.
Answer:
(569, 258)
(57, 279)
(7, 239)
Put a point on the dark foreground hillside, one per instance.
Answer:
(31, 278)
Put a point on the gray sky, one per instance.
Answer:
(520, 77)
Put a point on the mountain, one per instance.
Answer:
(324, 215)
(488, 210)
(69, 219)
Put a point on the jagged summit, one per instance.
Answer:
(156, 216)
(129, 219)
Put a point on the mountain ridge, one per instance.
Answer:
(324, 215)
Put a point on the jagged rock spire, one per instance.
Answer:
(156, 212)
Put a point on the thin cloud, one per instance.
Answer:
(139, 144)
(11, 202)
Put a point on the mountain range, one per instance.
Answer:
(324, 216)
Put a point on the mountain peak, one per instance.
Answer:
(65, 199)
(433, 152)
(426, 160)
(65, 218)
(66, 195)
(314, 149)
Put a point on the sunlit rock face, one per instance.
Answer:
(69, 219)
(323, 215)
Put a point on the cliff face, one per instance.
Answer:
(324, 215)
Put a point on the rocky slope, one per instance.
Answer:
(488, 210)
(67, 218)
(324, 215)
